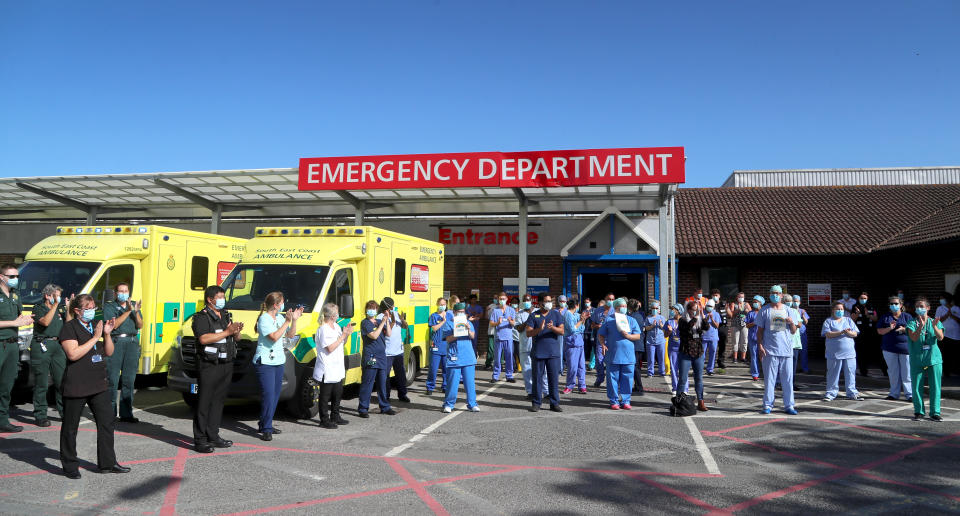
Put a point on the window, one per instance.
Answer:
(72, 276)
(419, 278)
(342, 286)
(248, 285)
(724, 279)
(110, 278)
(198, 272)
(399, 276)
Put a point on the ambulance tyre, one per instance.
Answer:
(413, 366)
(303, 404)
(190, 399)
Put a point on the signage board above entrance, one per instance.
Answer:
(534, 169)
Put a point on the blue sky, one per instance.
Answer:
(116, 87)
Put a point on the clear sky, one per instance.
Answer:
(116, 87)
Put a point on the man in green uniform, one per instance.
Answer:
(46, 356)
(926, 363)
(11, 319)
(122, 365)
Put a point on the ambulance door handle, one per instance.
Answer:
(175, 312)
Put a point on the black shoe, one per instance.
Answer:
(429, 393)
(339, 420)
(276, 431)
(937, 418)
(223, 443)
(116, 468)
(266, 436)
(511, 380)
(709, 373)
(328, 424)
(639, 393)
(555, 408)
(73, 475)
(389, 412)
(8, 428)
(43, 423)
(203, 448)
(918, 417)
(488, 368)
(530, 396)
(534, 408)
(364, 415)
(404, 399)
(890, 398)
(130, 419)
(597, 385)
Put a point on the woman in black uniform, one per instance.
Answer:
(85, 383)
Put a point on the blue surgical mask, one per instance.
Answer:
(943, 302)
(622, 309)
(527, 305)
(774, 298)
(13, 282)
(921, 311)
(515, 306)
(441, 308)
(756, 306)
(503, 302)
(699, 296)
(220, 303)
(838, 313)
(123, 297)
(708, 309)
(587, 304)
(862, 301)
(654, 311)
(281, 307)
(371, 313)
(895, 308)
(846, 296)
(88, 314)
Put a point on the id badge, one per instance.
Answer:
(43, 347)
(96, 358)
(926, 348)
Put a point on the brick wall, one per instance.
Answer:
(465, 272)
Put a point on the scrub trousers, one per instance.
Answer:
(638, 371)
(436, 362)
(655, 353)
(72, 410)
(601, 366)
(550, 367)
(777, 369)
(122, 372)
(898, 371)
(619, 383)
(674, 374)
(43, 366)
(399, 380)
(849, 368)
(576, 366)
(452, 377)
(754, 361)
(804, 354)
(685, 362)
(503, 359)
(710, 348)
(271, 381)
(931, 374)
(375, 376)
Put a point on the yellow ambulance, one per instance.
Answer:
(166, 268)
(311, 266)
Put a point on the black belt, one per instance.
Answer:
(11, 339)
(49, 338)
(123, 335)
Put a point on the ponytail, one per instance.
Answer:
(272, 299)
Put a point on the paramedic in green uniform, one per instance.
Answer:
(11, 319)
(122, 365)
(46, 355)
(926, 363)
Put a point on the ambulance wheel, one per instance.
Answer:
(190, 399)
(413, 366)
(303, 404)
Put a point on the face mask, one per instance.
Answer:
(921, 311)
(756, 306)
(58, 299)
(13, 282)
(673, 313)
(280, 308)
(459, 313)
(503, 302)
(548, 306)
(894, 308)
(943, 302)
(838, 313)
(89, 314)
(796, 304)
(220, 303)
(863, 301)
(708, 309)
(699, 296)
(654, 311)
(527, 305)
(900, 295)
(846, 296)
(441, 308)
(716, 299)
(622, 310)
(739, 299)
(515, 306)
(587, 304)
(123, 297)
(774, 298)
(371, 313)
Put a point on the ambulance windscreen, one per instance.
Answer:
(71, 276)
(248, 285)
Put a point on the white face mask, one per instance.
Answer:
(548, 306)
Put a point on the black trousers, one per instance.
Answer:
(721, 345)
(399, 380)
(102, 408)
(212, 385)
(550, 366)
(638, 372)
(330, 395)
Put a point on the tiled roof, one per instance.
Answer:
(829, 220)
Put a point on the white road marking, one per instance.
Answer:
(698, 441)
(440, 422)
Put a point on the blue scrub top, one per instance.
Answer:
(674, 343)
(570, 320)
(439, 339)
(803, 327)
(463, 346)
(620, 351)
(654, 337)
(375, 348)
(546, 343)
(895, 342)
(751, 317)
(711, 334)
(776, 343)
(839, 347)
(505, 329)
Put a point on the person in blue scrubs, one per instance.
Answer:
(587, 306)
(502, 320)
(840, 332)
(376, 369)
(545, 327)
(654, 325)
(438, 344)
(711, 337)
(804, 362)
(597, 318)
(673, 343)
(635, 310)
(895, 344)
(751, 322)
(574, 323)
(461, 363)
(775, 328)
(619, 355)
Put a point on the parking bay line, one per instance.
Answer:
(442, 421)
(698, 441)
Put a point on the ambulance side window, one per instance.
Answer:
(342, 285)
(110, 278)
(399, 276)
(199, 267)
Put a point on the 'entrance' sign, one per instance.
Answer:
(535, 169)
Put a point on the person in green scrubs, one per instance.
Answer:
(11, 319)
(122, 365)
(926, 363)
(46, 355)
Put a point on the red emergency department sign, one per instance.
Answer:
(535, 169)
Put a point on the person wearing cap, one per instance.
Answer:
(673, 342)
(775, 329)
(619, 354)
(840, 332)
(573, 324)
(750, 322)
(438, 345)
(460, 362)
(653, 328)
(711, 337)
(545, 326)
(502, 320)
(597, 318)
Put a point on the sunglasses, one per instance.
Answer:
(12, 275)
